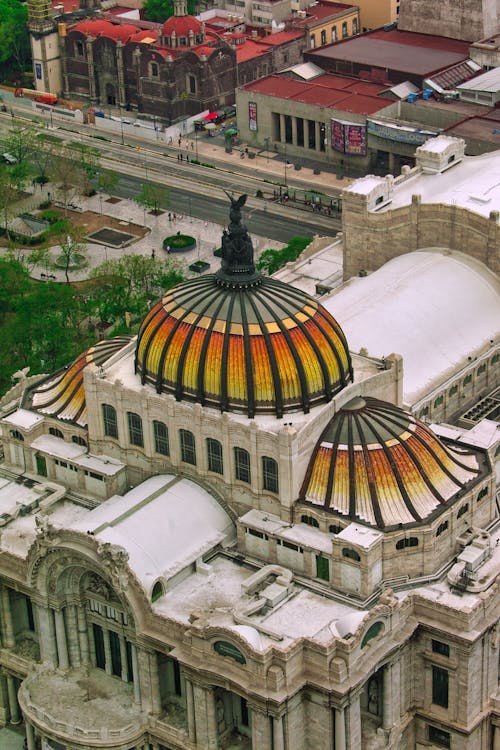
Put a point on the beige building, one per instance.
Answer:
(226, 532)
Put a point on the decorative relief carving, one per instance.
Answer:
(115, 559)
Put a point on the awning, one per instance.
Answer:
(210, 116)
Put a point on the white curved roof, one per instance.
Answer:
(165, 524)
(434, 307)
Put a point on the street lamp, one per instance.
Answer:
(121, 124)
(286, 164)
(266, 141)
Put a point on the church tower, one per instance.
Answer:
(45, 49)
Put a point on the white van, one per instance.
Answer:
(9, 159)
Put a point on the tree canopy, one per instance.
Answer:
(14, 37)
(160, 10)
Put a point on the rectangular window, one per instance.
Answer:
(258, 534)
(214, 456)
(110, 421)
(322, 568)
(135, 429)
(439, 737)
(188, 448)
(270, 474)
(440, 648)
(242, 464)
(160, 433)
(440, 686)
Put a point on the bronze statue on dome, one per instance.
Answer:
(237, 248)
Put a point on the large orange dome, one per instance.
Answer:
(264, 347)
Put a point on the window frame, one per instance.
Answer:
(242, 471)
(135, 431)
(215, 459)
(440, 686)
(161, 441)
(110, 421)
(270, 477)
(188, 447)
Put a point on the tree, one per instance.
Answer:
(107, 181)
(65, 173)
(21, 142)
(72, 249)
(271, 260)
(132, 283)
(43, 155)
(12, 180)
(14, 38)
(160, 10)
(153, 196)
(88, 162)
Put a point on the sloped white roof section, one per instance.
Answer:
(434, 307)
(164, 524)
(307, 71)
(489, 81)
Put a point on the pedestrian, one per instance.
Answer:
(153, 254)
(175, 217)
(169, 216)
(168, 249)
(192, 145)
(180, 157)
(179, 141)
(170, 141)
(187, 158)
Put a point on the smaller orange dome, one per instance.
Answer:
(182, 26)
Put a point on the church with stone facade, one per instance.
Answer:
(230, 532)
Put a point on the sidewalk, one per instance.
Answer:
(12, 739)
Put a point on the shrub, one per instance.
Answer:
(272, 260)
(179, 242)
(44, 204)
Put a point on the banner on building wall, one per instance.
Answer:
(252, 115)
(38, 71)
(349, 137)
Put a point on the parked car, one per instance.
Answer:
(9, 159)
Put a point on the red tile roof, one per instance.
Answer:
(336, 92)
(322, 11)
(282, 37)
(249, 50)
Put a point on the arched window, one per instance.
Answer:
(310, 521)
(192, 84)
(135, 429)
(351, 554)
(441, 528)
(410, 541)
(56, 433)
(157, 591)
(270, 474)
(110, 422)
(334, 33)
(313, 41)
(372, 632)
(188, 447)
(78, 440)
(160, 434)
(463, 510)
(354, 25)
(214, 456)
(482, 493)
(154, 70)
(16, 435)
(344, 30)
(242, 464)
(323, 36)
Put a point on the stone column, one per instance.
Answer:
(135, 675)
(30, 736)
(83, 635)
(387, 697)
(123, 657)
(155, 684)
(15, 716)
(108, 666)
(73, 641)
(261, 730)
(278, 733)
(212, 727)
(353, 728)
(205, 718)
(89, 44)
(294, 131)
(9, 640)
(190, 708)
(4, 699)
(47, 638)
(282, 129)
(340, 740)
(317, 134)
(496, 737)
(62, 646)
(91, 642)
